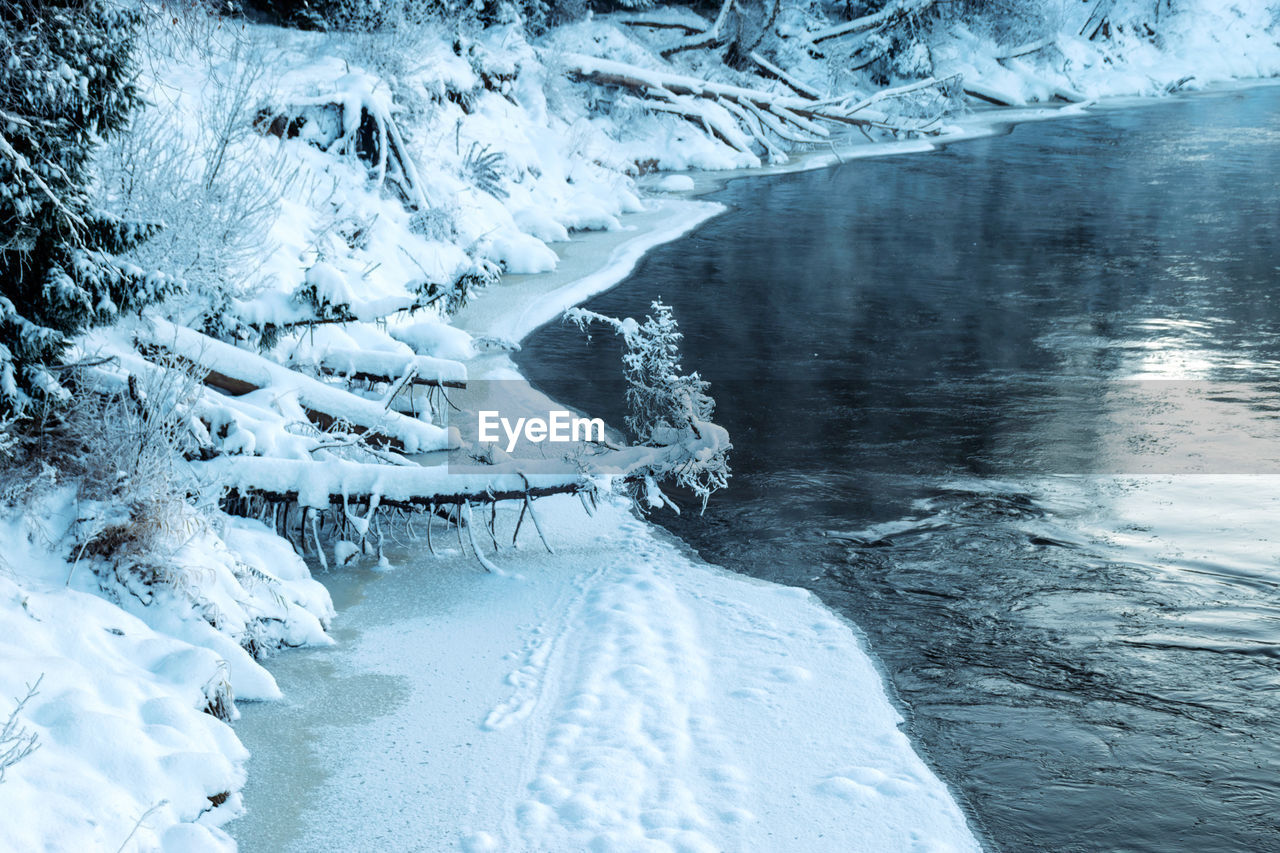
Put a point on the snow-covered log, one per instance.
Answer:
(687, 29)
(991, 95)
(237, 371)
(321, 484)
(379, 366)
(337, 483)
(670, 92)
(712, 36)
(777, 73)
(891, 14)
(1054, 89)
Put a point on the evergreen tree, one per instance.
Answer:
(662, 401)
(66, 82)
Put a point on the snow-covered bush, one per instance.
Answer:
(66, 81)
(660, 397)
(666, 407)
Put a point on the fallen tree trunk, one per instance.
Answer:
(412, 488)
(239, 372)
(777, 73)
(670, 92)
(885, 17)
(388, 367)
(991, 95)
(319, 485)
(688, 29)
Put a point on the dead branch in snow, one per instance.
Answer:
(688, 29)
(775, 72)
(885, 17)
(1028, 48)
(712, 36)
(723, 109)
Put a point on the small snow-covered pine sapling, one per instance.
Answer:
(666, 407)
(66, 83)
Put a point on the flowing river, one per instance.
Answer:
(1012, 408)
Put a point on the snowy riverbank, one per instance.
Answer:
(617, 692)
(618, 695)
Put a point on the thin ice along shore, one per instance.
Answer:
(293, 248)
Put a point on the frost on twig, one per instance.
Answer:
(16, 740)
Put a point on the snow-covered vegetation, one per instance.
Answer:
(233, 240)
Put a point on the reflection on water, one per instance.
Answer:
(1013, 409)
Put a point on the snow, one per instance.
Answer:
(123, 736)
(438, 340)
(513, 308)
(675, 184)
(618, 695)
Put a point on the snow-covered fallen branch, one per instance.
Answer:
(891, 14)
(720, 107)
(380, 366)
(790, 80)
(238, 372)
(335, 483)
(712, 36)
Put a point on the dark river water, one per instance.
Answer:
(1012, 409)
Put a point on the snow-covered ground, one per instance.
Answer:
(134, 681)
(618, 694)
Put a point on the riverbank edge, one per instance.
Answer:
(600, 261)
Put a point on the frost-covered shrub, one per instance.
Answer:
(668, 409)
(66, 80)
(16, 740)
(129, 447)
(216, 184)
(661, 398)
